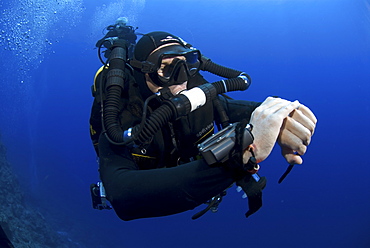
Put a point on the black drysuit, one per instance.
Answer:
(166, 176)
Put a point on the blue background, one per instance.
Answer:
(317, 51)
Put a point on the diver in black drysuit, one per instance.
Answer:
(165, 176)
(118, 31)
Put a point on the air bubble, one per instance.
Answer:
(27, 24)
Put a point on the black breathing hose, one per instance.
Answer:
(175, 107)
(184, 103)
(219, 70)
(222, 71)
(113, 88)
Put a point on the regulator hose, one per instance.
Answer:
(184, 103)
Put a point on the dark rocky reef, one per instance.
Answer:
(23, 224)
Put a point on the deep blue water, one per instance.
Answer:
(317, 51)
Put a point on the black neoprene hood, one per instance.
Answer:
(151, 41)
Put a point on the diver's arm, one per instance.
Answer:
(101, 41)
(136, 193)
(238, 109)
(294, 136)
(111, 33)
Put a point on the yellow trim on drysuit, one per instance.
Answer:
(97, 74)
(142, 156)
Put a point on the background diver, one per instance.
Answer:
(119, 30)
(154, 124)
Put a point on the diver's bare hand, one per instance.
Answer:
(267, 120)
(295, 134)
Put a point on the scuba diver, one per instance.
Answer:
(120, 30)
(168, 141)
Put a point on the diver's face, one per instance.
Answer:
(165, 65)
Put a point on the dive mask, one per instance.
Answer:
(175, 72)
